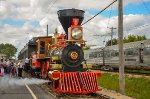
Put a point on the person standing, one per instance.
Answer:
(27, 66)
(20, 67)
(16, 68)
(12, 69)
(1, 68)
(1, 63)
(8, 66)
(5, 66)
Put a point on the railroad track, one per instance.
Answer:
(137, 73)
(145, 72)
(93, 96)
(128, 72)
(73, 96)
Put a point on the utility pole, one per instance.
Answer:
(103, 56)
(112, 31)
(47, 29)
(108, 34)
(121, 52)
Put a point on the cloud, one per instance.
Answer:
(133, 24)
(18, 36)
(37, 9)
(43, 12)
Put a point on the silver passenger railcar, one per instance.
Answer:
(136, 55)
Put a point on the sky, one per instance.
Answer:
(20, 20)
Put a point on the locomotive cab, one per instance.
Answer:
(40, 59)
(42, 46)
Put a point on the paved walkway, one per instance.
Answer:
(22, 92)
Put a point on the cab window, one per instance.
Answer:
(42, 47)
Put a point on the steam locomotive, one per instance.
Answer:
(60, 58)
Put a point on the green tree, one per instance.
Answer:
(144, 37)
(130, 38)
(2, 47)
(114, 42)
(108, 43)
(125, 40)
(8, 49)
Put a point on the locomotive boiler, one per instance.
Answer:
(67, 48)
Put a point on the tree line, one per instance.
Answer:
(129, 38)
(8, 49)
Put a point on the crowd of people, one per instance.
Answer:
(11, 67)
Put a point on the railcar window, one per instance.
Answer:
(146, 51)
(42, 47)
(136, 52)
(90, 56)
(131, 52)
(99, 54)
(93, 55)
(114, 53)
(107, 54)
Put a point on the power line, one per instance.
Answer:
(99, 12)
(108, 22)
(141, 26)
(135, 28)
(49, 8)
(145, 6)
(109, 17)
(52, 4)
(138, 27)
(112, 31)
(109, 34)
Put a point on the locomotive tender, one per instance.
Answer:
(60, 57)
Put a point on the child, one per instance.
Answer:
(12, 71)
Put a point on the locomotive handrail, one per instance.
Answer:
(86, 65)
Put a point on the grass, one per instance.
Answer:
(138, 88)
(147, 72)
(139, 71)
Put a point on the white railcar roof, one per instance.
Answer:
(137, 44)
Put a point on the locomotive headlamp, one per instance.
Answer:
(76, 33)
